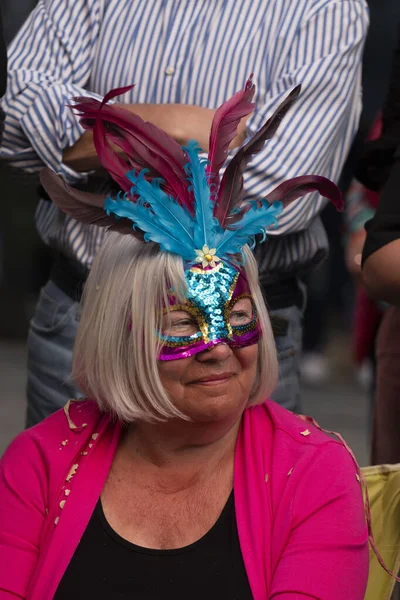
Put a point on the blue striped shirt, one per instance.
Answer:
(193, 52)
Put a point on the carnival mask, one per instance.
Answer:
(219, 309)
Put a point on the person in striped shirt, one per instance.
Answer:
(186, 58)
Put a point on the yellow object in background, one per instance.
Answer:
(383, 483)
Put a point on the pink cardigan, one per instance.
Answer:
(298, 504)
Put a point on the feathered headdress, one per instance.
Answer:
(170, 194)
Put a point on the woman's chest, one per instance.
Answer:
(164, 520)
(107, 566)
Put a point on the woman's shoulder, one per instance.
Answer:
(286, 427)
(54, 438)
(294, 440)
(298, 454)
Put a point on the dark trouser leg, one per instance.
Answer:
(386, 427)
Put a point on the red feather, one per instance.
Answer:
(110, 159)
(141, 141)
(230, 194)
(224, 127)
(116, 92)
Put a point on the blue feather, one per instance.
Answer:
(253, 222)
(144, 219)
(169, 214)
(204, 226)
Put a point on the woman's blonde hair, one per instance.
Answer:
(116, 349)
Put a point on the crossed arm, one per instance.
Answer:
(183, 122)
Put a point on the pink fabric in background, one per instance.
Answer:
(298, 504)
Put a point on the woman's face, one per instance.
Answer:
(214, 384)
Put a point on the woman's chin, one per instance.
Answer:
(214, 406)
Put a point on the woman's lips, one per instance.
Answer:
(213, 380)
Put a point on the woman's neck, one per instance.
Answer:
(188, 450)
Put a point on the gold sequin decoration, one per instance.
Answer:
(306, 432)
(71, 424)
(72, 472)
(202, 271)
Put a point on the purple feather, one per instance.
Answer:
(83, 206)
(224, 127)
(291, 190)
(230, 194)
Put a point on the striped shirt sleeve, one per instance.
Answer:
(316, 135)
(50, 62)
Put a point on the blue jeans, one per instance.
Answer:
(50, 342)
(288, 345)
(51, 339)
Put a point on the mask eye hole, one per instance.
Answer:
(241, 313)
(179, 323)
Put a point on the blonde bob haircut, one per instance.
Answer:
(116, 349)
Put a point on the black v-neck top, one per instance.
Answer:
(107, 567)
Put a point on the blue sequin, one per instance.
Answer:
(210, 291)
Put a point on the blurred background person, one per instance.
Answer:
(382, 279)
(380, 169)
(332, 290)
(173, 87)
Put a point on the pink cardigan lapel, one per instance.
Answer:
(71, 511)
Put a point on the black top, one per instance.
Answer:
(379, 168)
(385, 225)
(379, 155)
(107, 567)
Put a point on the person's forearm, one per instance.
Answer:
(381, 273)
(183, 122)
(82, 155)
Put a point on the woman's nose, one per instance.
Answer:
(218, 352)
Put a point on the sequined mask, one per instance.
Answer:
(209, 312)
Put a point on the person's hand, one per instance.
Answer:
(241, 134)
(353, 252)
